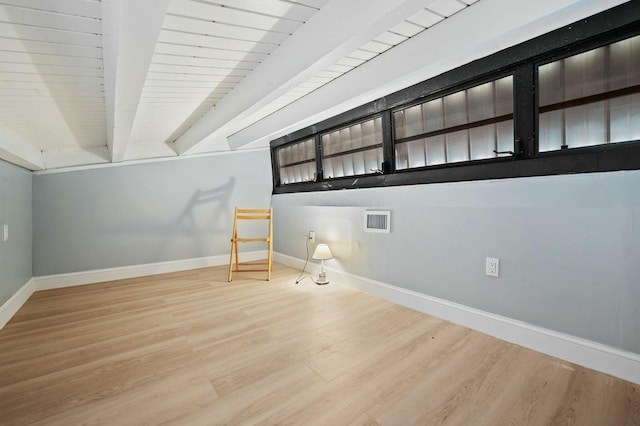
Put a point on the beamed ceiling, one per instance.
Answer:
(85, 82)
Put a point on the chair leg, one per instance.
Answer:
(233, 244)
(269, 264)
(237, 251)
(270, 243)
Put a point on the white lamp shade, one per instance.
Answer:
(322, 252)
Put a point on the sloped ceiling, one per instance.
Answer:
(86, 82)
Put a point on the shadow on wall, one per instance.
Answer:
(200, 229)
(205, 220)
(187, 221)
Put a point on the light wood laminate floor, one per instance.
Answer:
(189, 348)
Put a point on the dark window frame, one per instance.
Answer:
(522, 61)
(448, 91)
(345, 126)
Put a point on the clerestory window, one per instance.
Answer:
(565, 102)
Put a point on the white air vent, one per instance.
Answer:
(377, 221)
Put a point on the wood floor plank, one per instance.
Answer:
(190, 348)
(151, 403)
(383, 387)
(64, 390)
(259, 399)
(368, 343)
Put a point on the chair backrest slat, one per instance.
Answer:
(253, 217)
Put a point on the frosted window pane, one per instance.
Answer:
(399, 124)
(455, 109)
(457, 146)
(413, 119)
(436, 153)
(368, 133)
(356, 136)
(297, 162)
(358, 163)
(434, 115)
(550, 81)
(504, 132)
(402, 156)
(336, 145)
(416, 153)
(551, 130)
(299, 173)
(483, 142)
(468, 108)
(481, 102)
(504, 96)
(380, 157)
(371, 161)
(293, 155)
(281, 155)
(326, 146)
(585, 125)
(347, 164)
(345, 139)
(345, 151)
(420, 153)
(338, 170)
(327, 166)
(624, 63)
(302, 151)
(311, 170)
(585, 74)
(625, 118)
(411, 154)
(588, 121)
(377, 123)
(286, 155)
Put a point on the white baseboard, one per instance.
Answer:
(597, 356)
(15, 302)
(48, 282)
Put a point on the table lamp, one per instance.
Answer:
(322, 253)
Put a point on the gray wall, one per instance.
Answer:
(569, 246)
(15, 211)
(143, 213)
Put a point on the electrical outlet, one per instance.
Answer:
(493, 267)
(5, 233)
(312, 236)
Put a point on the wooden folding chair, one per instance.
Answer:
(250, 214)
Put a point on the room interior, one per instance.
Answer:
(129, 132)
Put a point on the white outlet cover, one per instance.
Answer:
(5, 233)
(493, 267)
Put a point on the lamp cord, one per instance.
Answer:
(300, 277)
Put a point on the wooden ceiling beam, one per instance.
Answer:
(332, 33)
(130, 31)
(16, 151)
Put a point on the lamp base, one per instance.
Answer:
(322, 278)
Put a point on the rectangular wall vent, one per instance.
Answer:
(377, 221)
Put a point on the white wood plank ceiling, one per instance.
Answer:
(87, 82)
